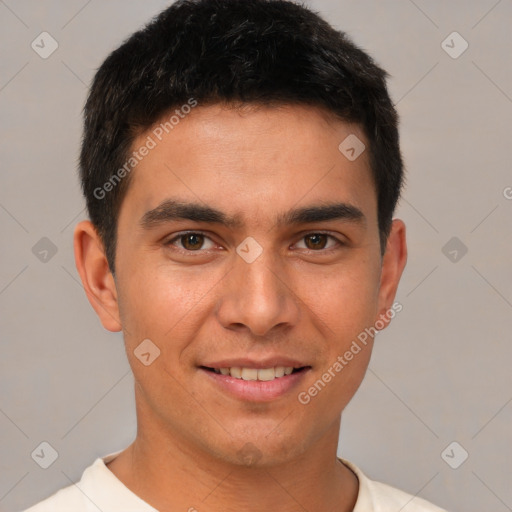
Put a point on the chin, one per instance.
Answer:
(259, 450)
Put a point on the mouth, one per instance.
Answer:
(260, 374)
(256, 384)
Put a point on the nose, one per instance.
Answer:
(258, 297)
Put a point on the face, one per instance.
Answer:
(248, 245)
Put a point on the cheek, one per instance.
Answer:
(159, 304)
(333, 389)
(344, 300)
(345, 306)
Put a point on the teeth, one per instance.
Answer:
(249, 374)
(263, 374)
(266, 374)
(235, 372)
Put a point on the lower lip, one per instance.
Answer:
(257, 390)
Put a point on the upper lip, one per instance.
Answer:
(244, 362)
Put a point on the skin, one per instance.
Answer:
(296, 299)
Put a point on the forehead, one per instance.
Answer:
(252, 161)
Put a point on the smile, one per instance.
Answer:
(256, 384)
(264, 374)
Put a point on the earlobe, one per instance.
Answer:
(393, 264)
(95, 274)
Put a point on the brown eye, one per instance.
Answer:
(319, 242)
(316, 241)
(192, 241)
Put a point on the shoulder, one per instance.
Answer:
(98, 489)
(82, 496)
(390, 499)
(64, 500)
(379, 497)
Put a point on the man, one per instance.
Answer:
(241, 166)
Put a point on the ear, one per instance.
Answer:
(393, 264)
(97, 280)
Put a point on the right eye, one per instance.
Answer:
(190, 241)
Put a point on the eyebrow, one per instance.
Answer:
(171, 210)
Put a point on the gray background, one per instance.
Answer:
(440, 373)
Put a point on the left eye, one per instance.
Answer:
(317, 241)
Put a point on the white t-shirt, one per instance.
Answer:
(100, 489)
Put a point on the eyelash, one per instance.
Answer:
(177, 237)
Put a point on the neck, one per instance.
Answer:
(169, 473)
